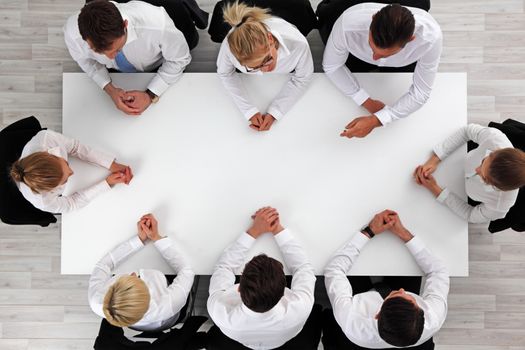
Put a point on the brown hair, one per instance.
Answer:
(400, 322)
(507, 169)
(126, 301)
(249, 32)
(392, 26)
(262, 283)
(101, 22)
(40, 171)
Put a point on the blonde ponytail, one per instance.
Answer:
(249, 32)
(40, 171)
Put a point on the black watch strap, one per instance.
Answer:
(368, 230)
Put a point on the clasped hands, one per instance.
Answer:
(423, 175)
(362, 126)
(265, 220)
(148, 228)
(119, 174)
(389, 220)
(261, 122)
(132, 102)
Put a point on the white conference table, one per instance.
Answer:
(202, 171)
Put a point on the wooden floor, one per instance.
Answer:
(40, 309)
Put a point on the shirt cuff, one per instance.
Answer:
(101, 78)
(157, 85)
(283, 237)
(415, 245)
(275, 113)
(384, 115)
(135, 242)
(163, 243)
(443, 195)
(106, 159)
(438, 150)
(246, 240)
(250, 113)
(360, 97)
(359, 240)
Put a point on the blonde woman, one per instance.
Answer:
(42, 172)
(494, 172)
(259, 43)
(142, 300)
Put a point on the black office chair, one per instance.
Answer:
(297, 12)
(14, 208)
(186, 15)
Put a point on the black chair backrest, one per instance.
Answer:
(297, 12)
(14, 208)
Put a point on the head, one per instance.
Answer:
(250, 40)
(126, 301)
(503, 169)
(102, 27)
(391, 29)
(41, 171)
(400, 321)
(262, 283)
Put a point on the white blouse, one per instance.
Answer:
(494, 203)
(293, 56)
(63, 146)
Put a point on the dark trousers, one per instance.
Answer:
(334, 337)
(307, 339)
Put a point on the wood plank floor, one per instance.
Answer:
(40, 309)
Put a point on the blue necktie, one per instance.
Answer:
(123, 63)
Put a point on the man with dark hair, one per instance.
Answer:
(384, 315)
(261, 312)
(129, 37)
(385, 38)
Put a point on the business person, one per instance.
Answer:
(129, 37)
(378, 36)
(261, 312)
(494, 172)
(259, 43)
(385, 316)
(142, 300)
(43, 170)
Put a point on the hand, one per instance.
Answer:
(256, 121)
(139, 100)
(382, 222)
(398, 229)
(124, 169)
(373, 106)
(116, 178)
(119, 99)
(264, 220)
(150, 226)
(429, 182)
(360, 127)
(268, 120)
(431, 165)
(141, 233)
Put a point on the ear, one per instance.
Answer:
(412, 38)
(125, 23)
(376, 316)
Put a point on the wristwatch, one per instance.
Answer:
(368, 230)
(154, 98)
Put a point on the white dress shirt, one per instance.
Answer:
(495, 203)
(63, 146)
(152, 41)
(356, 314)
(350, 33)
(273, 328)
(293, 55)
(165, 301)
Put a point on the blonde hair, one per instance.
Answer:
(507, 169)
(249, 32)
(40, 171)
(126, 301)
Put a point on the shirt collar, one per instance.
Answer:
(252, 314)
(55, 151)
(131, 33)
(283, 49)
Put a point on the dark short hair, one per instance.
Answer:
(400, 322)
(507, 169)
(392, 26)
(101, 22)
(262, 283)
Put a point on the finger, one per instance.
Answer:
(347, 133)
(351, 124)
(254, 127)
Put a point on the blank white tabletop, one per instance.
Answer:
(202, 172)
